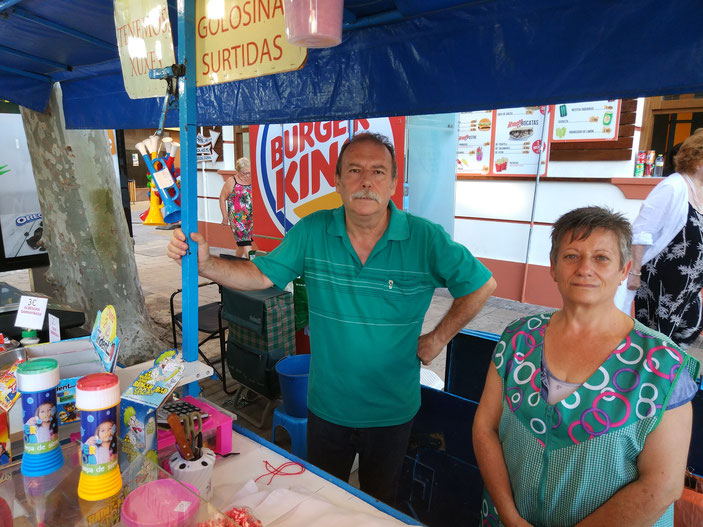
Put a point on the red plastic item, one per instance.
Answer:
(5, 514)
(302, 342)
(97, 381)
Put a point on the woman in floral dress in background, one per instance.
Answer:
(237, 207)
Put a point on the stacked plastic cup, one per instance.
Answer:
(37, 380)
(37, 491)
(98, 399)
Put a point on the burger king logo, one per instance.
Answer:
(296, 165)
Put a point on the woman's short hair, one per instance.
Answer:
(581, 223)
(241, 164)
(690, 156)
(379, 139)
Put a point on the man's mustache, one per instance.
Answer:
(366, 194)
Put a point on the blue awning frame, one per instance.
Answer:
(416, 57)
(491, 54)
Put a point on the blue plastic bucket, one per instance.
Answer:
(293, 377)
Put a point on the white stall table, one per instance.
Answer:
(295, 499)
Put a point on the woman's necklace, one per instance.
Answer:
(694, 193)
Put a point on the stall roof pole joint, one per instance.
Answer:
(169, 74)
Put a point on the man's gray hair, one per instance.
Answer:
(581, 223)
(379, 139)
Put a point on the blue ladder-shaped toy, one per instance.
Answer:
(297, 428)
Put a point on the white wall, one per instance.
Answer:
(210, 183)
(602, 169)
(490, 203)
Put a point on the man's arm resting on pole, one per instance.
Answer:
(462, 311)
(242, 275)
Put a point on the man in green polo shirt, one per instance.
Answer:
(370, 272)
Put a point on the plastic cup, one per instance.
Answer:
(196, 472)
(103, 513)
(314, 23)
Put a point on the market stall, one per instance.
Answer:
(416, 61)
(399, 40)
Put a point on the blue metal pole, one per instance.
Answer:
(189, 184)
(34, 58)
(29, 74)
(7, 4)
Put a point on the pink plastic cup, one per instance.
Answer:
(314, 23)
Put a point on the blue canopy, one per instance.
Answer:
(397, 57)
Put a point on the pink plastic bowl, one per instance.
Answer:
(163, 502)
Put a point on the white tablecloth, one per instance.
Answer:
(305, 499)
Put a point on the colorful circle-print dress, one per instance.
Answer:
(565, 460)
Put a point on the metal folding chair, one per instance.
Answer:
(210, 323)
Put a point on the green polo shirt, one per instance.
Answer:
(365, 319)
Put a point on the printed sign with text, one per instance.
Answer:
(54, 328)
(519, 144)
(294, 167)
(145, 42)
(31, 311)
(474, 146)
(586, 121)
(242, 39)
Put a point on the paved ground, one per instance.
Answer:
(160, 277)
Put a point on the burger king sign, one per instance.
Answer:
(294, 167)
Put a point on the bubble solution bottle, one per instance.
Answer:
(98, 399)
(37, 380)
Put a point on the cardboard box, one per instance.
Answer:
(78, 357)
(138, 414)
(96, 353)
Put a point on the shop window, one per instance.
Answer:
(668, 120)
(241, 141)
(670, 129)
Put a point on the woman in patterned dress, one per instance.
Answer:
(237, 207)
(667, 251)
(585, 418)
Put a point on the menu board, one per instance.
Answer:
(586, 121)
(503, 142)
(473, 151)
(517, 143)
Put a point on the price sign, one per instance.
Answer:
(31, 311)
(54, 328)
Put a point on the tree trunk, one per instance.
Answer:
(85, 233)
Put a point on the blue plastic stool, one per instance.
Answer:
(297, 428)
